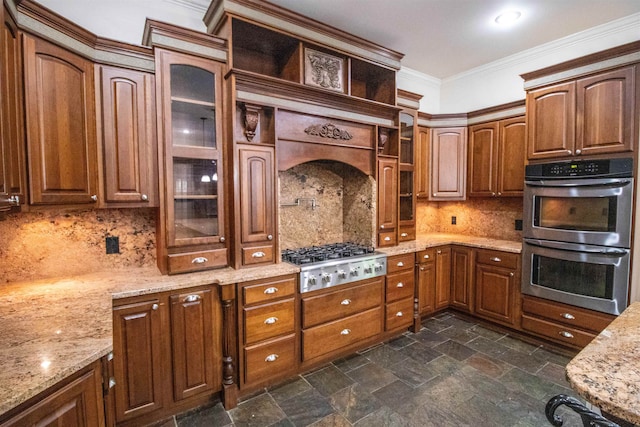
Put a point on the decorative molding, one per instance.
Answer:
(328, 130)
(251, 120)
(323, 70)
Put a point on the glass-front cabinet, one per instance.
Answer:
(407, 165)
(192, 126)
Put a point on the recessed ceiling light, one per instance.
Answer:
(508, 17)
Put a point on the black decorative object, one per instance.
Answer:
(588, 417)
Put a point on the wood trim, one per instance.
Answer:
(496, 109)
(152, 27)
(57, 22)
(114, 46)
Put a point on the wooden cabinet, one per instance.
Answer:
(126, 126)
(407, 196)
(497, 287)
(590, 115)
(76, 402)
(423, 142)
(13, 180)
(496, 158)
(268, 331)
(565, 324)
(387, 201)
(448, 164)
(257, 203)
(434, 279)
(461, 278)
(60, 125)
(399, 292)
(191, 226)
(167, 353)
(443, 278)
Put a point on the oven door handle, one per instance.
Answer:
(560, 184)
(563, 247)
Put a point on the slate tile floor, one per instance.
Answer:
(454, 372)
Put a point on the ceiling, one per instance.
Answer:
(440, 38)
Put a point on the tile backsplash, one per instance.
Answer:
(55, 243)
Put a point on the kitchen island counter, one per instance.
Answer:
(607, 371)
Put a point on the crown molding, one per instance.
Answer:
(197, 5)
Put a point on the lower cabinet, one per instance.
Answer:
(443, 278)
(167, 353)
(399, 292)
(433, 290)
(77, 402)
(461, 278)
(497, 287)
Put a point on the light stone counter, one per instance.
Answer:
(424, 241)
(53, 328)
(607, 371)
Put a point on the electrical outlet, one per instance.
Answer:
(453, 220)
(518, 225)
(113, 245)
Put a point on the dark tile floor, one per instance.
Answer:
(454, 372)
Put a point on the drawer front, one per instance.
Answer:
(400, 285)
(567, 315)
(269, 360)
(268, 321)
(338, 304)
(557, 332)
(400, 262)
(399, 314)
(268, 290)
(196, 261)
(387, 238)
(332, 336)
(257, 255)
(428, 255)
(407, 234)
(497, 258)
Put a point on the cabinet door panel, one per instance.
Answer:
(387, 194)
(494, 293)
(60, 112)
(426, 287)
(443, 278)
(511, 148)
(193, 338)
(422, 162)
(461, 278)
(483, 159)
(448, 164)
(129, 146)
(606, 104)
(256, 194)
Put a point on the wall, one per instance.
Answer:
(54, 243)
(483, 217)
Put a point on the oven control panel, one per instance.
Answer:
(581, 168)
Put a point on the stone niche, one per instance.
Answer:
(325, 202)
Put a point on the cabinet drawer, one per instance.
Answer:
(557, 332)
(567, 315)
(335, 305)
(399, 314)
(267, 291)
(195, 261)
(268, 321)
(400, 285)
(269, 360)
(332, 336)
(257, 255)
(497, 258)
(428, 255)
(387, 238)
(400, 262)
(407, 234)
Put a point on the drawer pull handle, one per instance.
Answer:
(112, 382)
(495, 259)
(270, 320)
(568, 316)
(199, 260)
(400, 285)
(155, 307)
(439, 251)
(399, 314)
(258, 254)
(400, 264)
(144, 198)
(271, 358)
(387, 239)
(271, 290)
(426, 257)
(270, 237)
(191, 298)
(345, 301)
(422, 269)
(345, 332)
(404, 234)
(566, 334)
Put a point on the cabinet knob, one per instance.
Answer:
(222, 239)
(569, 152)
(345, 301)
(382, 226)
(191, 298)
(258, 254)
(387, 239)
(565, 334)
(495, 259)
(422, 268)
(400, 285)
(112, 382)
(493, 194)
(199, 260)
(435, 194)
(345, 332)
(400, 264)
(568, 316)
(399, 314)
(155, 307)
(499, 193)
(270, 320)
(511, 274)
(271, 358)
(94, 198)
(404, 234)
(426, 257)
(439, 251)
(578, 151)
(144, 197)
(270, 237)
(270, 290)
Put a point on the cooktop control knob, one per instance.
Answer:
(354, 271)
(368, 269)
(326, 277)
(311, 280)
(342, 274)
(378, 266)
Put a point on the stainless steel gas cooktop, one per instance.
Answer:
(335, 264)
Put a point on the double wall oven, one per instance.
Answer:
(577, 232)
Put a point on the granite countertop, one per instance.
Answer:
(607, 371)
(53, 328)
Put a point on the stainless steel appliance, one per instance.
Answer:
(577, 232)
(335, 264)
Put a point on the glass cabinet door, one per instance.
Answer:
(407, 208)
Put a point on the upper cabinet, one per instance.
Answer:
(189, 92)
(126, 126)
(448, 163)
(496, 158)
(407, 199)
(60, 125)
(587, 116)
(422, 142)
